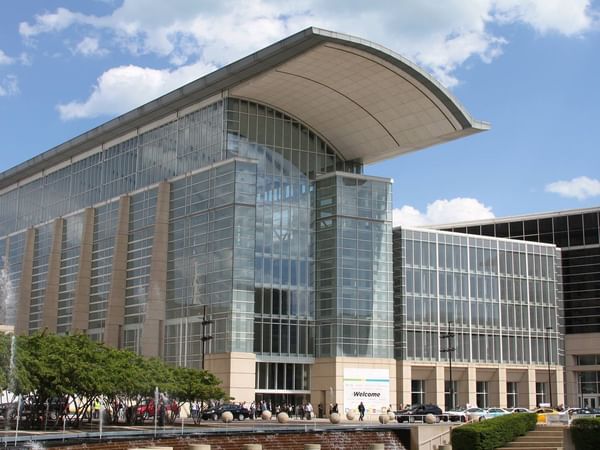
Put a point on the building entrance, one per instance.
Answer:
(287, 402)
(589, 401)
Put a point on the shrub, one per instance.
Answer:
(492, 433)
(585, 433)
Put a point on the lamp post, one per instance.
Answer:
(548, 330)
(205, 338)
(450, 350)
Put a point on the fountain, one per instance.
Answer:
(101, 419)
(155, 409)
(7, 296)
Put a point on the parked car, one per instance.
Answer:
(214, 413)
(457, 414)
(417, 412)
(518, 409)
(474, 413)
(490, 413)
(584, 412)
(146, 409)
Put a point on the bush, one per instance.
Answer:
(492, 433)
(585, 433)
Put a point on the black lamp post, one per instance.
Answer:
(450, 350)
(548, 330)
(205, 338)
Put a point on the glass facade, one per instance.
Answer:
(284, 244)
(354, 267)
(498, 297)
(577, 234)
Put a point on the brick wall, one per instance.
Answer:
(336, 440)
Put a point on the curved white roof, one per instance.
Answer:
(367, 101)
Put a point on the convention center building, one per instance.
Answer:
(229, 225)
(577, 234)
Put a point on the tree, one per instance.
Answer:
(52, 372)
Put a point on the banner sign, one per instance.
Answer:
(370, 386)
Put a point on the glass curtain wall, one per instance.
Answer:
(354, 267)
(498, 297)
(69, 266)
(211, 262)
(188, 143)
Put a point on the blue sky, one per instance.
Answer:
(529, 67)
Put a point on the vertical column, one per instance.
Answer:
(472, 385)
(530, 391)
(498, 388)
(559, 387)
(152, 331)
(404, 384)
(50, 306)
(81, 302)
(116, 297)
(22, 321)
(572, 387)
(435, 386)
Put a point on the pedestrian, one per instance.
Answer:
(320, 411)
(335, 408)
(361, 410)
(309, 411)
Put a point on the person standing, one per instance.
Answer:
(361, 411)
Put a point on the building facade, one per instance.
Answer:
(491, 305)
(236, 208)
(577, 234)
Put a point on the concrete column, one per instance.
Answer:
(471, 385)
(236, 371)
(403, 384)
(530, 389)
(572, 387)
(559, 386)
(24, 303)
(50, 306)
(81, 302)
(116, 297)
(152, 331)
(498, 388)
(435, 386)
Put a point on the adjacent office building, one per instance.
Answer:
(577, 234)
(477, 320)
(236, 207)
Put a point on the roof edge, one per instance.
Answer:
(225, 78)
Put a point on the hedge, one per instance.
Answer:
(493, 433)
(585, 433)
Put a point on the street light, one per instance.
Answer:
(450, 350)
(548, 330)
(205, 338)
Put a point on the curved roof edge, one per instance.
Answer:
(226, 78)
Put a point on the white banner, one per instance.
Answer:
(370, 386)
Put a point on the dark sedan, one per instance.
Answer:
(418, 412)
(214, 413)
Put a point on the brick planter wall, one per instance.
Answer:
(336, 440)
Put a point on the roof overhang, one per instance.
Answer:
(368, 102)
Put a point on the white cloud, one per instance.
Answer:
(5, 59)
(9, 86)
(441, 36)
(579, 188)
(125, 87)
(89, 46)
(568, 18)
(442, 211)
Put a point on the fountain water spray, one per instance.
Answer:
(155, 409)
(18, 419)
(101, 419)
(7, 296)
